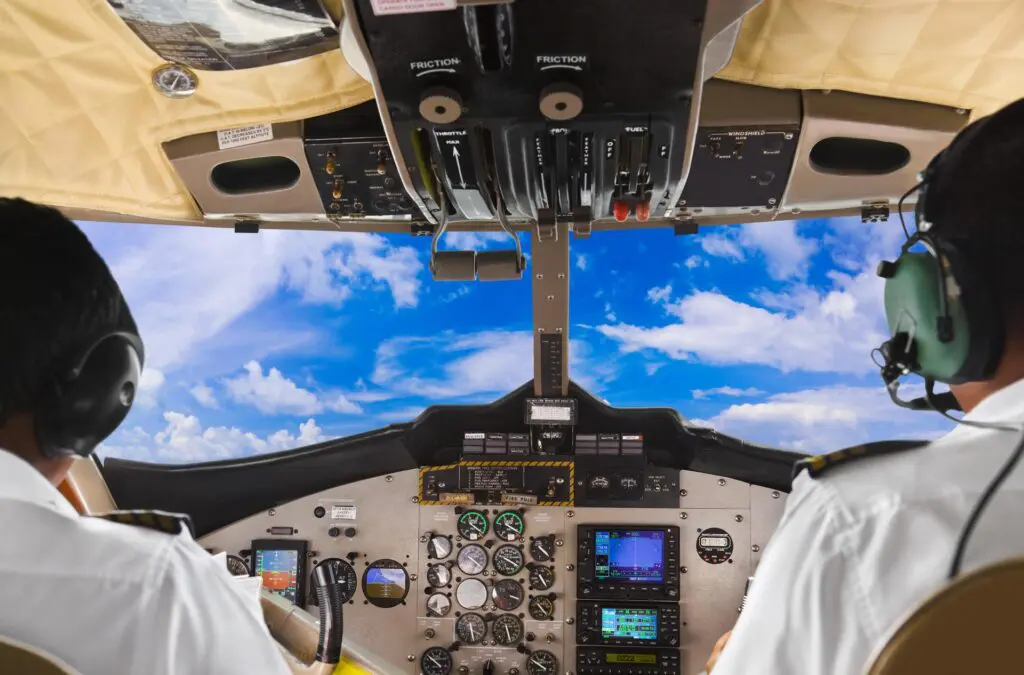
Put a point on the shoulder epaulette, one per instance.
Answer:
(819, 464)
(161, 521)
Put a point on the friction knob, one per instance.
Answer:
(561, 102)
(441, 105)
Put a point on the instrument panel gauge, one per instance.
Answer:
(507, 594)
(472, 559)
(472, 525)
(439, 575)
(385, 583)
(237, 567)
(541, 608)
(439, 547)
(541, 662)
(507, 630)
(509, 526)
(344, 573)
(541, 577)
(471, 594)
(438, 604)
(470, 628)
(508, 560)
(542, 549)
(436, 661)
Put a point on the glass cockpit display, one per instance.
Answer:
(633, 623)
(281, 565)
(629, 556)
(385, 583)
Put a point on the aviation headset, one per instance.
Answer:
(944, 317)
(90, 394)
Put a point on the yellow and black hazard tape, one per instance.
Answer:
(511, 464)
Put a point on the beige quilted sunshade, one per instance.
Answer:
(81, 124)
(960, 53)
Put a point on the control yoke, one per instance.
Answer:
(329, 587)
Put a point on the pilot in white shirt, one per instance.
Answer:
(867, 538)
(103, 597)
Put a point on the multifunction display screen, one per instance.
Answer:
(280, 572)
(629, 556)
(629, 623)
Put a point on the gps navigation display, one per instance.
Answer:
(281, 567)
(629, 556)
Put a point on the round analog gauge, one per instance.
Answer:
(714, 546)
(542, 608)
(472, 559)
(507, 630)
(509, 526)
(541, 662)
(436, 661)
(470, 628)
(438, 605)
(237, 567)
(471, 594)
(385, 583)
(439, 547)
(439, 575)
(175, 81)
(472, 525)
(508, 560)
(542, 549)
(345, 575)
(541, 578)
(507, 594)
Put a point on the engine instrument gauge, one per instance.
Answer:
(472, 525)
(542, 549)
(472, 559)
(237, 567)
(507, 630)
(439, 575)
(436, 661)
(470, 628)
(344, 573)
(471, 594)
(541, 608)
(439, 547)
(507, 594)
(541, 577)
(541, 662)
(438, 604)
(385, 583)
(509, 526)
(508, 560)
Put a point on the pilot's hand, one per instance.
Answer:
(716, 651)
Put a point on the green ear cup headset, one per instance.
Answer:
(944, 321)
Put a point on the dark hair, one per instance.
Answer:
(975, 201)
(56, 296)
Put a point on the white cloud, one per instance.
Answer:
(407, 414)
(652, 367)
(184, 439)
(828, 418)
(700, 394)
(151, 381)
(473, 364)
(187, 285)
(659, 293)
(273, 394)
(474, 241)
(786, 253)
(203, 393)
(609, 315)
(581, 261)
(462, 291)
(695, 261)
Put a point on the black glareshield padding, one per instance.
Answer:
(329, 586)
(89, 400)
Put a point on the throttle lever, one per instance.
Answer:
(329, 587)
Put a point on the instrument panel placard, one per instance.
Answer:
(551, 483)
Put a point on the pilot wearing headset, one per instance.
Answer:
(103, 597)
(869, 533)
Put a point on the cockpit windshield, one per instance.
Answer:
(266, 342)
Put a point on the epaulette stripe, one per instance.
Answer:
(162, 521)
(818, 464)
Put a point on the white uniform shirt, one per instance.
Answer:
(863, 544)
(108, 598)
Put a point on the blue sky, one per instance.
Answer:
(265, 342)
